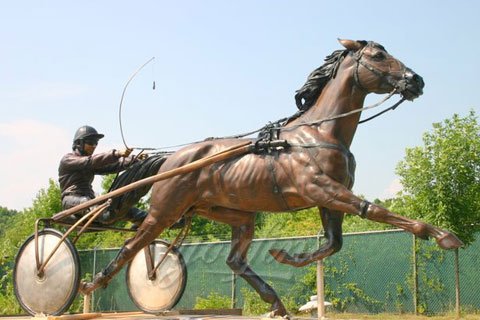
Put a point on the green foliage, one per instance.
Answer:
(20, 226)
(252, 304)
(107, 181)
(77, 304)
(8, 302)
(109, 239)
(213, 301)
(304, 222)
(431, 289)
(339, 291)
(207, 230)
(356, 224)
(6, 218)
(441, 179)
(398, 296)
(307, 223)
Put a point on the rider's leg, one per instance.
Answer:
(136, 217)
(70, 201)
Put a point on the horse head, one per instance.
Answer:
(379, 72)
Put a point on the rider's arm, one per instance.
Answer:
(74, 162)
(124, 160)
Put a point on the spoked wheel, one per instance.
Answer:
(53, 291)
(163, 292)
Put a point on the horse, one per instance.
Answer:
(312, 168)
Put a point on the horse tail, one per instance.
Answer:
(137, 171)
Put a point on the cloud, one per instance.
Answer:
(392, 190)
(43, 92)
(31, 151)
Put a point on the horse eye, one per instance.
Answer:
(379, 56)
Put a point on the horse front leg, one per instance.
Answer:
(242, 236)
(335, 196)
(445, 239)
(332, 225)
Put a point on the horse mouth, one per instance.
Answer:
(413, 87)
(411, 93)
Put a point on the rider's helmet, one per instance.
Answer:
(83, 133)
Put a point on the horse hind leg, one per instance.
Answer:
(145, 235)
(242, 235)
(332, 224)
(161, 216)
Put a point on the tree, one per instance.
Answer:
(441, 179)
(6, 216)
(19, 227)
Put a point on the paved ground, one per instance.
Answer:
(140, 316)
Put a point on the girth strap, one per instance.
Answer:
(262, 146)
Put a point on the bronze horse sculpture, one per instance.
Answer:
(313, 168)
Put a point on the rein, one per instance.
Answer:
(277, 125)
(383, 111)
(346, 114)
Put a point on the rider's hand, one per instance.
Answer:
(124, 152)
(142, 156)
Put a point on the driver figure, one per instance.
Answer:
(77, 170)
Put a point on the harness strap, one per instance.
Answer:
(364, 205)
(277, 190)
(324, 145)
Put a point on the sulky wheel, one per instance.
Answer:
(163, 292)
(52, 292)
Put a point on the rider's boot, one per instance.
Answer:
(136, 217)
(179, 224)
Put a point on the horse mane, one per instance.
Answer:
(317, 80)
(137, 171)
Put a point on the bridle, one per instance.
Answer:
(399, 85)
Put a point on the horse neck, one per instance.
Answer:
(339, 96)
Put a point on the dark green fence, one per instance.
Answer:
(372, 273)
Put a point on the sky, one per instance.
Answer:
(220, 68)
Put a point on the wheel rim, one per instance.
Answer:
(165, 291)
(55, 290)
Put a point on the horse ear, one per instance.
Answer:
(352, 45)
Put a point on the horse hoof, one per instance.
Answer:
(274, 315)
(269, 315)
(86, 288)
(449, 241)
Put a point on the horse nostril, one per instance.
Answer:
(418, 80)
(414, 78)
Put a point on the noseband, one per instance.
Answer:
(399, 85)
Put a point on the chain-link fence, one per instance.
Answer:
(374, 272)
